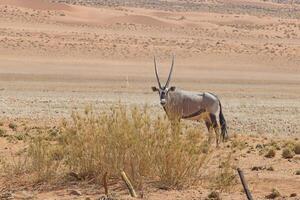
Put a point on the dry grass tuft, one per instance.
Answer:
(297, 148)
(12, 126)
(270, 153)
(274, 194)
(214, 195)
(119, 139)
(287, 153)
(226, 177)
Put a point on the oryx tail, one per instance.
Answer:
(222, 123)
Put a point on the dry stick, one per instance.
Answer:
(246, 189)
(105, 183)
(128, 184)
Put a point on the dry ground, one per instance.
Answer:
(57, 57)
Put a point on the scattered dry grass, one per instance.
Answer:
(226, 178)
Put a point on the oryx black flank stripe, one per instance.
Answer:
(194, 114)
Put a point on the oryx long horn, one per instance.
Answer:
(156, 74)
(171, 70)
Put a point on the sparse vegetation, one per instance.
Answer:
(226, 177)
(287, 153)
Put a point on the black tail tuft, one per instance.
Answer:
(223, 124)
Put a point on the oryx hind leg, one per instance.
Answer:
(215, 126)
(210, 129)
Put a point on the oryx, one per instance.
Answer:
(180, 104)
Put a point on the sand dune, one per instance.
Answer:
(87, 15)
(36, 4)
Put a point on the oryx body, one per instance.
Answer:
(180, 104)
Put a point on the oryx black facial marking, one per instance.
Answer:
(180, 104)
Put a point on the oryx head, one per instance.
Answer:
(163, 90)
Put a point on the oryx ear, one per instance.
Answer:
(154, 89)
(173, 88)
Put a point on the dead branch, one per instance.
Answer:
(245, 186)
(128, 184)
(105, 183)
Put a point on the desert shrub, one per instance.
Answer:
(297, 148)
(121, 139)
(287, 153)
(12, 126)
(239, 144)
(270, 153)
(290, 145)
(2, 132)
(274, 144)
(274, 194)
(214, 195)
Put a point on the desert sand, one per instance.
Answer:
(61, 56)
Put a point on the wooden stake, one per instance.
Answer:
(245, 186)
(105, 183)
(128, 184)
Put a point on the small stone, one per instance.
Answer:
(293, 195)
(256, 168)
